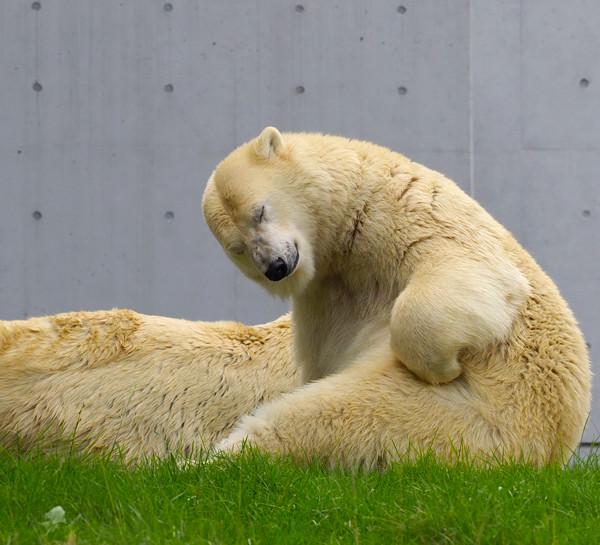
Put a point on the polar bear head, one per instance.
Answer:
(253, 207)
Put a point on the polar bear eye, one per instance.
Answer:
(259, 215)
(235, 249)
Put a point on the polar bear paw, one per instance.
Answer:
(252, 430)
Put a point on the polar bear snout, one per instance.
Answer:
(281, 267)
(277, 270)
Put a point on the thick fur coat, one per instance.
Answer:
(140, 385)
(419, 321)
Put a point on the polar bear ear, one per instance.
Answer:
(269, 143)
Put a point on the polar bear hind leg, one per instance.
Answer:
(372, 415)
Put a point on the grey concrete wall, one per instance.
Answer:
(113, 115)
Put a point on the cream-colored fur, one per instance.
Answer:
(418, 319)
(142, 385)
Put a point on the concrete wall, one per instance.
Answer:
(114, 113)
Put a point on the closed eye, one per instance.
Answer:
(259, 216)
(235, 249)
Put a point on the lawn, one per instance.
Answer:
(255, 499)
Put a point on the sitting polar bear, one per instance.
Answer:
(419, 322)
(143, 386)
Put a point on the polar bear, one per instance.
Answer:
(142, 386)
(419, 322)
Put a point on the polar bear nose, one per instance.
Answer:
(277, 270)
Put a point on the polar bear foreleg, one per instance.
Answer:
(460, 304)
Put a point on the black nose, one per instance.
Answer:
(277, 270)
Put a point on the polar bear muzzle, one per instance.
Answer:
(279, 268)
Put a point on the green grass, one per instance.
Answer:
(254, 499)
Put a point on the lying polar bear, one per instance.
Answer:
(418, 319)
(141, 385)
